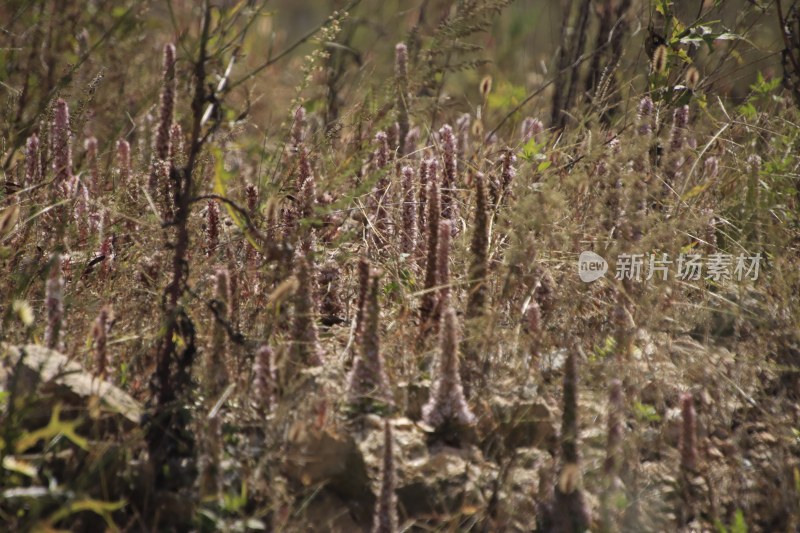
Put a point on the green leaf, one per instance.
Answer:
(506, 96)
(601, 352)
(748, 111)
(646, 412)
(620, 501)
(762, 87)
(739, 525)
(531, 149)
(234, 502)
(797, 480)
(681, 53)
(544, 165)
(53, 429)
(696, 190)
(98, 507)
(408, 279)
(391, 287)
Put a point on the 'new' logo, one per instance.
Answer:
(591, 267)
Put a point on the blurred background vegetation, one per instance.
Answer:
(581, 66)
(72, 47)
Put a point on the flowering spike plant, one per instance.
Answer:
(479, 249)
(432, 248)
(216, 368)
(447, 406)
(167, 107)
(688, 439)
(176, 145)
(645, 116)
(570, 510)
(33, 168)
(212, 228)
(381, 193)
(265, 379)
(403, 96)
(62, 150)
(448, 186)
(531, 129)
(305, 337)
(408, 237)
(443, 269)
(54, 304)
(124, 166)
(385, 516)
(425, 167)
(677, 135)
(100, 341)
(368, 385)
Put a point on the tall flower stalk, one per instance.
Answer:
(570, 510)
(100, 338)
(161, 141)
(368, 385)
(408, 236)
(265, 379)
(443, 270)
(385, 516)
(124, 167)
(688, 440)
(54, 302)
(33, 168)
(306, 350)
(62, 150)
(216, 368)
(401, 79)
(447, 410)
(432, 248)
(479, 249)
(449, 205)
